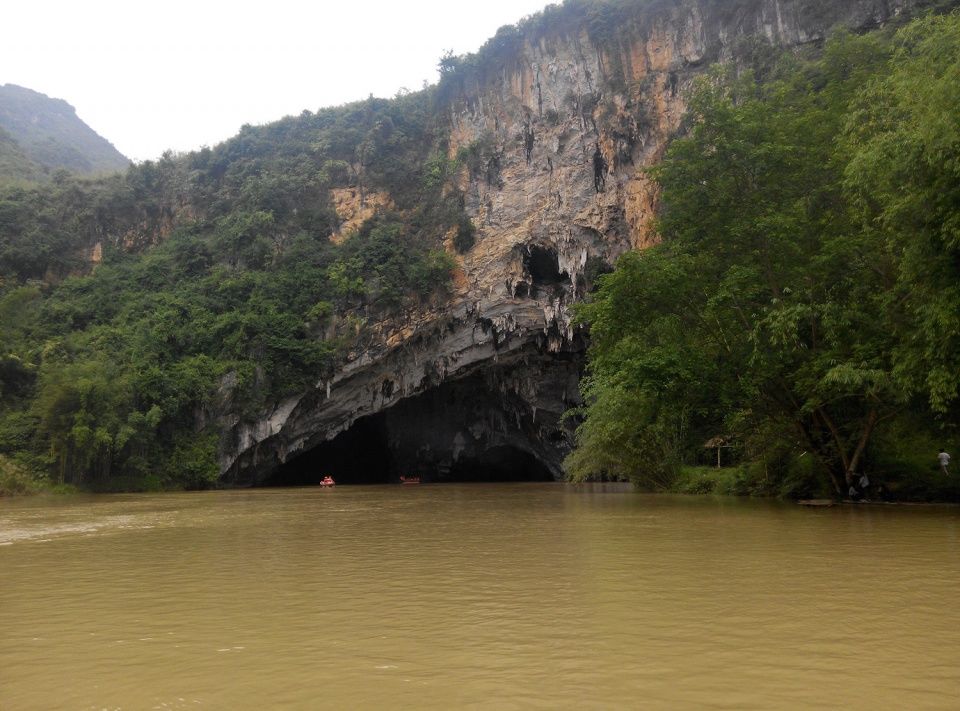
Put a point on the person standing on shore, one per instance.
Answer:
(944, 460)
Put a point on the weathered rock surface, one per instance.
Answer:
(353, 207)
(560, 135)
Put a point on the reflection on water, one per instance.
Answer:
(487, 596)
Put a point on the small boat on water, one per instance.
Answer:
(409, 480)
(327, 481)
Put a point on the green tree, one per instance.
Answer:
(768, 302)
(904, 175)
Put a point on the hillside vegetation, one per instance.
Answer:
(109, 379)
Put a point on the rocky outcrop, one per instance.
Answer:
(513, 345)
(555, 138)
(353, 206)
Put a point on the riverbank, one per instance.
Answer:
(904, 486)
(15, 480)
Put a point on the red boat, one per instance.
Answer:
(409, 480)
(328, 481)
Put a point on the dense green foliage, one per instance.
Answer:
(805, 299)
(219, 288)
(14, 164)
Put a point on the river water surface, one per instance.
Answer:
(518, 596)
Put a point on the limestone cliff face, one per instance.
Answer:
(556, 138)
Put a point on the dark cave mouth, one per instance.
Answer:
(368, 454)
(543, 266)
(471, 429)
(499, 464)
(359, 455)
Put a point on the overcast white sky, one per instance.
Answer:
(149, 75)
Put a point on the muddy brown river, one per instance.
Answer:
(521, 596)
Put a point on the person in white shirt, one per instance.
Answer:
(944, 459)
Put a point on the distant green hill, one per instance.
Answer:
(39, 135)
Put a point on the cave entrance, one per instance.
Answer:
(359, 455)
(461, 431)
(498, 464)
(543, 265)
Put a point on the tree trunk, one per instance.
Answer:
(817, 451)
(862, 444)
(835, 433)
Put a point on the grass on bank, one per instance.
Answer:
(916, 481)
(16, 479)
